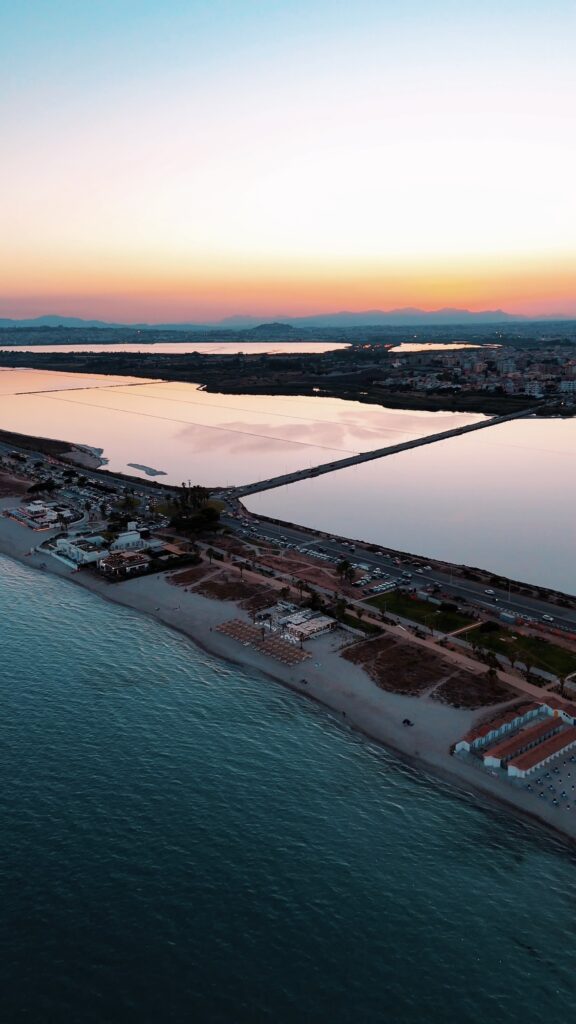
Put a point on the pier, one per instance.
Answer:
(377, 453)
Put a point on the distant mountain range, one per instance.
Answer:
(367, 318)
(379, 317)
(57, 321)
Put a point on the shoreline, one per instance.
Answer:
(92, 459)
(341, 687)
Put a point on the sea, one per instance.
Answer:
(183, 840)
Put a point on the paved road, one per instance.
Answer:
(462, 590)
(103, 476)
(459, 589)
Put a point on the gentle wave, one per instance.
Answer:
(184, 840)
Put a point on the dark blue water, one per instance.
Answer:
(182, 841)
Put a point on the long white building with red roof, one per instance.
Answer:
(488, 732)
(523, 739)
(531, 760)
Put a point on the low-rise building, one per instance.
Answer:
(119, 564)
(305, 624)
(522, 765)
(81, 550)
(497, 756)
(489, 732)
(129, 541)
(561, 708)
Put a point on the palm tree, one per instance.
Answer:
(210, 554)
(345, 571)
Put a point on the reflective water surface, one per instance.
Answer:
(503, 499)
(434, 346)
(229, 348)
(191, 434)
(183, 841)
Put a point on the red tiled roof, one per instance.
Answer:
(514, 744)
(496, 723)
(562, 705)
(554, 745)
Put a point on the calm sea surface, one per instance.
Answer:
(182, 841)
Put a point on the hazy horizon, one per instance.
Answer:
(342, 319)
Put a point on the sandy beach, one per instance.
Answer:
(345, 688)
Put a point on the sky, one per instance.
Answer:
(189, 160)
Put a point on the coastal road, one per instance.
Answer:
(452, 587)
(102, 475)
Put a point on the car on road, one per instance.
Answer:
(489, 592)
(548, 618)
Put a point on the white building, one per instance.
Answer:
(38, 511)
(129, 541)
(530, 761)
(506, 750)
(81, 550)
(306, 623)
(498, 728)
(123, 563)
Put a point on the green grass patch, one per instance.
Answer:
(367, 627)
(423, 612)
(530, 650)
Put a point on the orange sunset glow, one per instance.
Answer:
(287, 159)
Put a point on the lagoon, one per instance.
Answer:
(225, 348)
(191, 434)
(501, 499)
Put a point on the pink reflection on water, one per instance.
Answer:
(501, 499)
(189, 433)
